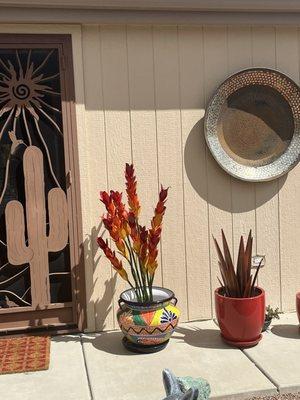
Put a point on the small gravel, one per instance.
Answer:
(286, 396)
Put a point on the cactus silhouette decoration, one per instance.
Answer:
(34, 247)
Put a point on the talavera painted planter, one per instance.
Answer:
(147, 328)
(241, 319)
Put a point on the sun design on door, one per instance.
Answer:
(23, 91)
(30, 115)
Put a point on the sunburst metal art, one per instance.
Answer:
(30, 97)
(23, 90)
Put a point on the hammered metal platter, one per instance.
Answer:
(252, 124)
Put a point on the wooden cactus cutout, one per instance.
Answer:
(35, 250)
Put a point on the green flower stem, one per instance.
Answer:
(149, 286)
(146, 294)
(144, 274)
(131, 285)
(140, 274)
(138, 259)
(135, 271)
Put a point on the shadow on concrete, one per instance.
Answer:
(287, 331)
(204, 338)
(67, 338)
(109, 342)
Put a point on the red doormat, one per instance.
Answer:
(286, 396)
(24, 354)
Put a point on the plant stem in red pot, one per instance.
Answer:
(240, 305)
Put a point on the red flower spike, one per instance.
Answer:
(155, 231)
(143, 234)
(111, 255)
(131, 220)
(163, 194)
(124, 229)
(104, 197)
(121, 247)
(131, 184)
(101, 243)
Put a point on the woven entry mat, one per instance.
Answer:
(285, 396)
(24, 354)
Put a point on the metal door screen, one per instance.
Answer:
(37, 258)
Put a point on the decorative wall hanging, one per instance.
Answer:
(252, 124)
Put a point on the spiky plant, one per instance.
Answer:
(237, 282)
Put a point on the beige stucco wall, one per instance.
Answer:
(145, 91)
(141, 93)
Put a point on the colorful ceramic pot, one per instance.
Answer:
(147, 327)
(298, 305)
(241, 319)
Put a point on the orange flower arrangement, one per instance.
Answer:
(138, 245)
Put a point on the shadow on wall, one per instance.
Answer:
(97, 301)
(203, 182)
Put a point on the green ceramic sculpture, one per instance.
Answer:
(202, 385)
(173, 390)
(185, 388)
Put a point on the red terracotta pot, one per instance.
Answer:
(241, 319)
(298, 305)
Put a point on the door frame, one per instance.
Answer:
(16, 320)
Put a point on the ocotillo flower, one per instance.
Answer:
(121, 247)
(133, 201)
(116, 219)
(155, 231)
(120, 207)
(137, 244)
(108, 202)
(111, 255)
(143, 253)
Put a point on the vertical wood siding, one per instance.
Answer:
(146, 89)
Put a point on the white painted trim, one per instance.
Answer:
(13, 15)
(165, 5)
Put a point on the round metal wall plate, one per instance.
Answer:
(252, 124)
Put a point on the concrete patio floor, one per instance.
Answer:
(97, 367)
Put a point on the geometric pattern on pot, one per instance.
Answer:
(252, 124)
(149, 336)
(149, 327)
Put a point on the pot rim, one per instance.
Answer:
(261, 294)
(169, 292)
(298, 294)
